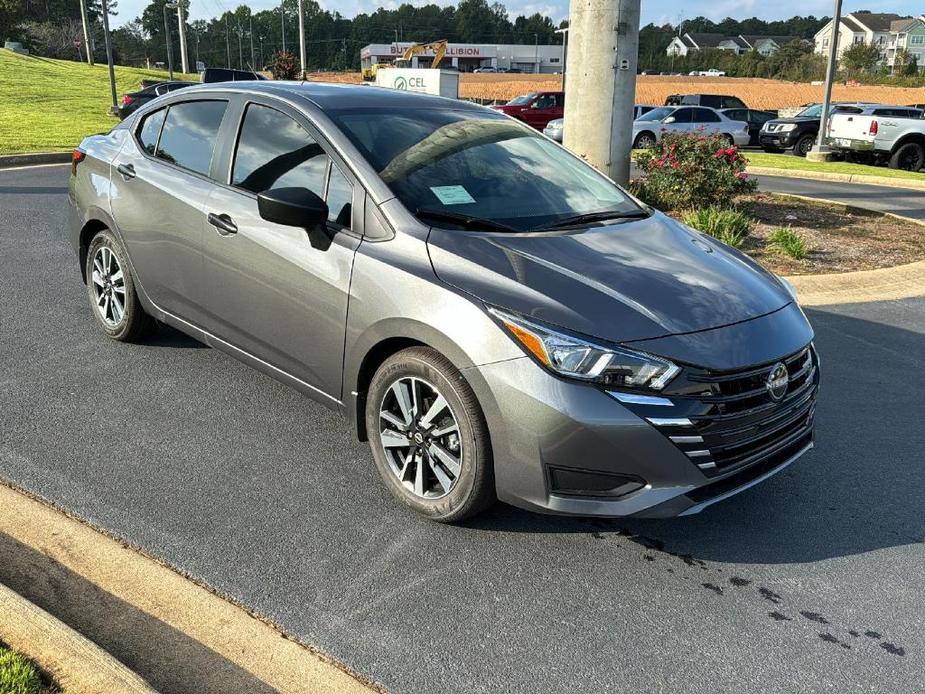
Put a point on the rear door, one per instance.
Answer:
(159, 186)
(707, 120)
(279, 292)
(683, 119)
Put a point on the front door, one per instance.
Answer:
(279, 292)
(544, 108)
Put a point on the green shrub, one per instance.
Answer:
(729, 226)
(691, 170)
(18, 675)
(789, 243)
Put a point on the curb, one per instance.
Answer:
(905, 183)
(78, 665)
(861, 286)
(10, 160)
(177, 634)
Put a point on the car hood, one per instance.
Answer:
(795, 119)
(631, 280)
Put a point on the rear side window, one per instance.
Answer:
(189, 134)
(702, 115)
(150, 129)
(737, 115)
(276, 152)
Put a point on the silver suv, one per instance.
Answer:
(495, 316)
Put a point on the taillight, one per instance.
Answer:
(77, 156)
(126, 99)
(874, 127)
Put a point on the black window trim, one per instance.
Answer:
(176, 102)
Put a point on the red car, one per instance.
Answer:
(536, 108)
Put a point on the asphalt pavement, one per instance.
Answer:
(810, 581)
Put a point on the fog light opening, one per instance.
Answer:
(591, 483)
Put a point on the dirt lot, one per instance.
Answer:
(840, 240)
(652, 89)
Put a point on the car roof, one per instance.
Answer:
(334, 96)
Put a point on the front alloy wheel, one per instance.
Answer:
(420, 437)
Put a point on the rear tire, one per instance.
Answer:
(803, 145)
(428, 436)
(111, 290)
(728, 140)
(909, 157)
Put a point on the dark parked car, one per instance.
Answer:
(799, 133)
(224, 74)
(495, 316)
(535, 109)
(755, 120)
(717, 101)
(132, 101)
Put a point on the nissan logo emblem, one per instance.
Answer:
(777, 382)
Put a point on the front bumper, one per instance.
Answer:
(540, 424)
(777, 140)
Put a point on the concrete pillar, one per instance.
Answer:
(603, 54)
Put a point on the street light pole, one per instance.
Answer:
(169, 6)
(85, 22)
(820, 150)
(282, 23)
(251, 32)
(227, 43)
(301, 41)
(107, 39)
(536, 54)
(184, 60)
(564, 32)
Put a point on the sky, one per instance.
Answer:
(658, 11)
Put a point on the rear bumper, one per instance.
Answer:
(850, 144)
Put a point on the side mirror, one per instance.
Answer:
(669, 120)
(294, 207)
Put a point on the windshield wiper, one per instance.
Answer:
(465, 220)
(602, 216)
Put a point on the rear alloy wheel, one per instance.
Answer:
(644, 141)
(909, 157)
(428, 436)
(111, 290)
(804, 145)
(728, 140)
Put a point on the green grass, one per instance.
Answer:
(788, 161)
(727, 226)
(789, 243)
(51, 105)
(18, 675)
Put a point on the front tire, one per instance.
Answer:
(804, 145)
(428, 436)
(111, 290)
(909, 157)
(644, 140)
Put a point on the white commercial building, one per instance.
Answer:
(466, 57)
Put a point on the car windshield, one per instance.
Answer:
(656, 114)
(813, 111)
(480, 164)
(521, 100)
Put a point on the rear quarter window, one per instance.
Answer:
(150, 129)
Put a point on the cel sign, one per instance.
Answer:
(421, 80)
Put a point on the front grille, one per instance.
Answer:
(730, 420)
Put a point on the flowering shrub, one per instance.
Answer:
(284, 66)
(688, 170)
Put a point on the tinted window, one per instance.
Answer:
(276, 152)
(150, 129)
(761, 116)
(683, 115)
(545, 101)
(736, 114)
(189, 134)
(340, 198)
(478, 163)
(728, 102)
(657, 114)
(702, 115)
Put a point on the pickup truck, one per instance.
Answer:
(894, 134)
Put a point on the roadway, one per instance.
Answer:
(808, 582)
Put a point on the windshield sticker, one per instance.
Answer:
(452, 195)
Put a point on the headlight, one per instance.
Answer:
(573, 357)
(787, 127)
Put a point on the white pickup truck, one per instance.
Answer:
(895, 134)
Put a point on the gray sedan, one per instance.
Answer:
(496, 317)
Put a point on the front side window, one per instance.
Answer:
(189, 134)
(276, 152)
(150, 129)
(478, 163)
(684, 115)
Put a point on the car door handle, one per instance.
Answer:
(127, 171)
(223, 224)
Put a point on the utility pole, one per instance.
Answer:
(301, 41)
(169, 6)
(106, 38)
(251, 32)
(602, 83)
(184, 60)
(227, 43)
(83, 19)
(282, 23)
(564, 32)
(240, 47)
(536, 53)
(820, 151)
